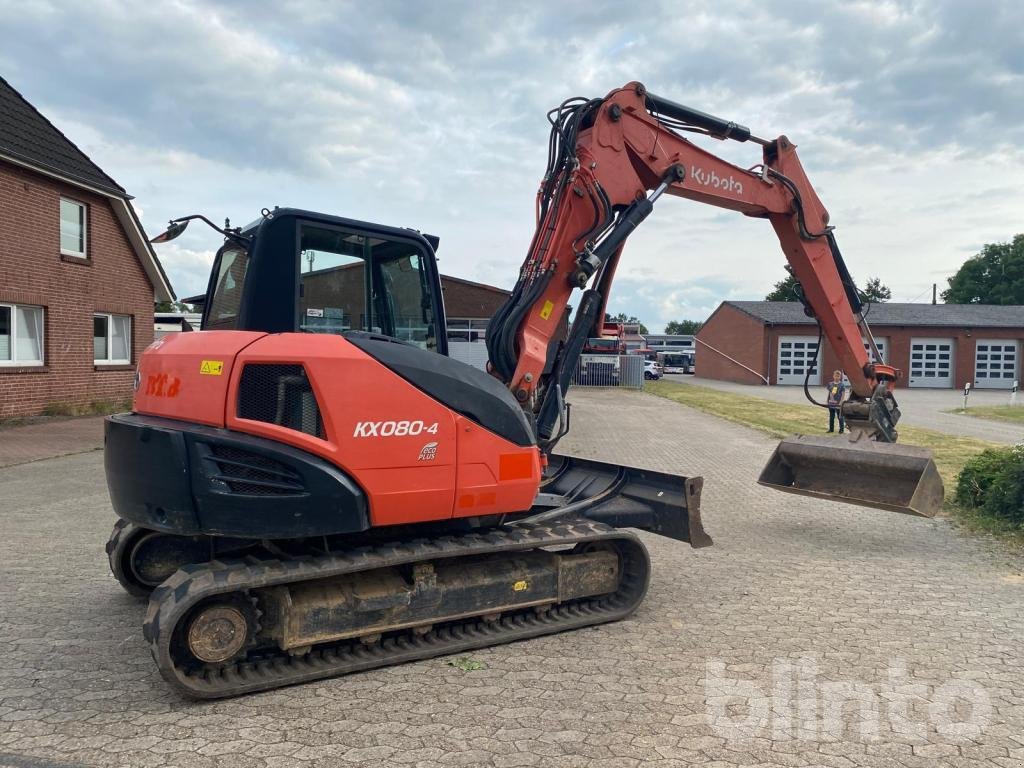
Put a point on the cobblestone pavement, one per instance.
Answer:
(32, 442)
(920, 407)
(796, 602)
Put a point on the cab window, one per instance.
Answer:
(351, 281)
(228, 280)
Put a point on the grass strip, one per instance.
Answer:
(780, 420)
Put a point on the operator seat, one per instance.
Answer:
(467, 390)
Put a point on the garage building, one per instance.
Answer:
(936, 345)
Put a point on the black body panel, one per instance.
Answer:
(183, 478)
(463, 388)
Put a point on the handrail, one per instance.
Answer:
(732, 360)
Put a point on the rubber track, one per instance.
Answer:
(173, 600)
(120, 538)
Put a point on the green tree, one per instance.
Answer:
(622, 318)
(994, 276)
(877, 291)
(172, 306)
(674, 327)
(785, 289)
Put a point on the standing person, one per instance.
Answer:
(836, 396)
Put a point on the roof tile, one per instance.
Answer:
(892, 313)
(27, 136)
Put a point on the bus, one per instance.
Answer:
(676, 362)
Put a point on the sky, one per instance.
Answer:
(909, 117)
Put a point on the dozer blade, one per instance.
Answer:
(900, 478)
(623, 497)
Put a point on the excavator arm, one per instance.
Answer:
(611, 160)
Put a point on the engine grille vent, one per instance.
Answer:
(252, 474)
(279, 394)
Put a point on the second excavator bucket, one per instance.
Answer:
(901, 478)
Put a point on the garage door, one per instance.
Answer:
(796, 354)
(931, 362)
(995, 363)
(883, 347)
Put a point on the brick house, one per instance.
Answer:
(935, 345)
(77, 276)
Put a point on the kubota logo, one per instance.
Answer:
(712, 179)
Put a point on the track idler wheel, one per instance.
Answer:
(140, 559)
(218, 633)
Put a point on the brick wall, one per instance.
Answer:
(898, 353)
(465, 299)
(739, 336)
(32, 271)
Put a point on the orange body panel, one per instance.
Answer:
(185, 375)
(416, 459)
(494, 475)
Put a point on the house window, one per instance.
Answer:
(21, 335)
(467, 329)
(111, 339)
(72, 228)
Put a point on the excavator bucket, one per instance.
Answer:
(623, 497)
(900, 478)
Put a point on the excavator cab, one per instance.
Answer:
(348, 276)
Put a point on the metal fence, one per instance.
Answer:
(610, 371)
(470, 352)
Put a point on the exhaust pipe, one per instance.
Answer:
(900, 478)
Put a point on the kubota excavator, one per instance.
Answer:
(310, 486)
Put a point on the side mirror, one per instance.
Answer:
(174, 229)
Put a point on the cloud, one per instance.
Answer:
(909, 116)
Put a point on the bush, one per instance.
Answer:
(993, 483)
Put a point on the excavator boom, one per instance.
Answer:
(611, 160)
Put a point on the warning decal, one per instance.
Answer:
(211, 367)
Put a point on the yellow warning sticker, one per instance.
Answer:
(211, 367)
(520, 586)
(545, 311)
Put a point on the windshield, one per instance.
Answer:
(350, 281)
(228, 278)
(596, 343)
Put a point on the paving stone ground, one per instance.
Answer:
(743, 654)
(33, 442)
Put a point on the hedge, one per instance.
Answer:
(993, 483)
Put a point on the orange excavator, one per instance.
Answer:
(310, 486)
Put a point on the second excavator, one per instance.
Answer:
(310, 486)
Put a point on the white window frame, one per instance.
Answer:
(14, 362)
(110, 340)
(475, 327)
(82, 254)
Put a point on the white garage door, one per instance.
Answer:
(883, 347)
(995, 363)
(931, 362)
(796, 354)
